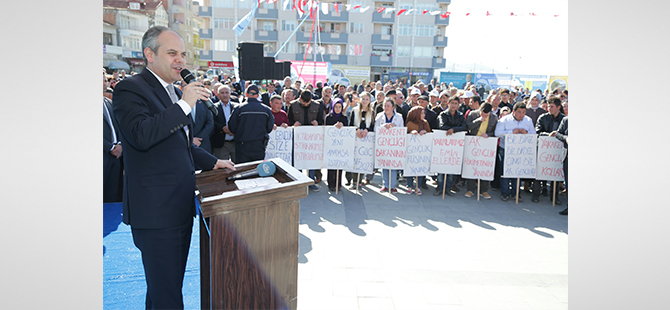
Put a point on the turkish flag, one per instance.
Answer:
(446, 14)
(401, 11)
(379, 10)
(487, 13)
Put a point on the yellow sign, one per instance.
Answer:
(558, 81)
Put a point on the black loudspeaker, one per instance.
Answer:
(268, 68)
(279, 71)
(287, 69)
(250, 55)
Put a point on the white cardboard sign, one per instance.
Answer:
(447, 152)
(308, 147)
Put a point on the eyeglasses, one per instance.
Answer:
(207, 84)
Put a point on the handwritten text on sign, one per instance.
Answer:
(308, 147)
(520, 156)
(280, 144)
(549, 163)
(447, 152)
(419, 155)
(364, 154)
(338, 147)
(479, 158)
(390, 147)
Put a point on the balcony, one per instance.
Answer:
(326, 37)
(206, 55)
(385, 39)
(266, 13)
(381, 61)
(330, 17)
(440, 41)
(205, 33)
(263, 35)
(333, 59)
(205, 11)
(438, 63)
(383, 18)
(441, 21)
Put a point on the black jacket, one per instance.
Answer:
(546, 123)
(251, 121)
(447, 121)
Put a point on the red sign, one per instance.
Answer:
(220, 64)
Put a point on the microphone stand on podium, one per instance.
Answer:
(249, 238)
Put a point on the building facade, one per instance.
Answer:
(407, 47)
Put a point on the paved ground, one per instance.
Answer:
(377, 251)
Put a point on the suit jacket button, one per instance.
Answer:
(172, 130)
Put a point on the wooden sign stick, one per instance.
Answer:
(444, 185)
(337, 181)
(517, 190)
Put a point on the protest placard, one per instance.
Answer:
(447, 152)
(364, 154)
(280, 144)
(308, 147)
(549, 163)
(479, 158)
(338, 147)
(520, 156)
(390, 147)
(419, 155)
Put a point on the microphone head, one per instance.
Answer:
(186, 75)
(266, 169)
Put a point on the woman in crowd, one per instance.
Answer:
(335, 118)
(388, 119)
(363, 118)
(416, 124)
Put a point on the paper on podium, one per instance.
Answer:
(256, 182)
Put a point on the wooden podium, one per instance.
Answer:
(249, 239)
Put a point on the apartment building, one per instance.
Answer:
(377, 46)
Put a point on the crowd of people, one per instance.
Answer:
(420, 108)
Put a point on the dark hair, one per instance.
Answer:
(454, 97)
(556, 101)
(275, 97)
(306, 95)
(504, 91)
(486, 107)
(519, 105)
(476, 98)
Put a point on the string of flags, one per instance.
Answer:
(301, 6)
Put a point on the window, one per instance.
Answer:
(403, 50)
(188, 4)
(387, 29)
(289, 48)
(381, 51)
(223, 4)
(266, 5)
(131, 43)
(269, 47)
(268, 26)
(406, 5)
(424, 30)
(405, 30)
(357, 28)
(334, 49)
(223, 45)
(288, 25)
(420, 7)
(423, 52)
(107, 38)
(222, 23)
(124, 22)
(355, 49)
(245, 4)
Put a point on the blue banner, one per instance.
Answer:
(458, 79)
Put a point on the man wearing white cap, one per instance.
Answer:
(434, 97)
(465, 103)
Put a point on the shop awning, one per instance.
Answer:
(136, 61)
(115, 64)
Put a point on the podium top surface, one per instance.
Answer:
(214, 191)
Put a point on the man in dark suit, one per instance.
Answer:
(265, 97)
(112, 150)
(159, 158)
(203, 126)
(223, 140)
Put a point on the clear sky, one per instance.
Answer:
(520, 44)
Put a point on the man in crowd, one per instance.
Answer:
(251, 123)
(265, 97)
(287, 97)
(203, 125)
(480, 122)
(465, 102)
(326, 100)
(281, 118)
(431, 116)
(546, 124)
(443, 103)
(222, 139)
(159, 160)
(452, 121)
(434, 97)
(515, 123)
(505, 99)
(112, 151)
(304, 112)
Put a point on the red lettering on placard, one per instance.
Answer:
(475, 141)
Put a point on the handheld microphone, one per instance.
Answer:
(188, 78)
(264, 169)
